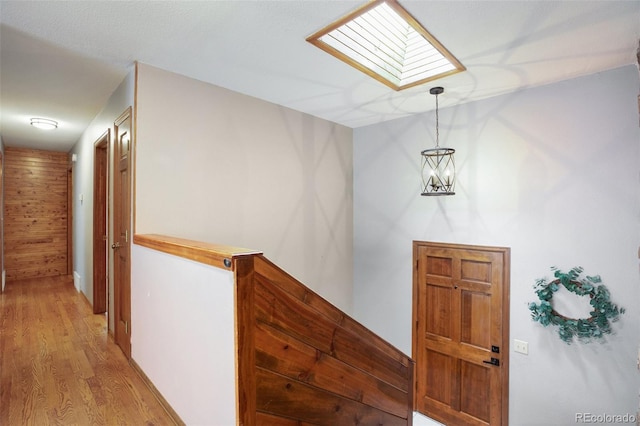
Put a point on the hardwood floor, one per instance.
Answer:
(59, 367)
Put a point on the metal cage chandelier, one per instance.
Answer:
(438, 166)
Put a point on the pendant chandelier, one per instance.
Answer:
(438, 166)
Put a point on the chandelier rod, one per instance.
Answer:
(436, 91)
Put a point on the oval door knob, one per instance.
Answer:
(115, 246)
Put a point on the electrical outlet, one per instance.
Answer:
(521, 346)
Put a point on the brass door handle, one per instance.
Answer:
(115, 246)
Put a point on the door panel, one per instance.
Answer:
(473, 399)
(438, 311)
(461, 335)
(122, 235)
(475, 319)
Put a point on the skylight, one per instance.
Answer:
(384, 41)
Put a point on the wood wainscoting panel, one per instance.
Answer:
(316, 365)
(35, 213)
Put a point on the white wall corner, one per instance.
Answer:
(4, 279)
(76, 280)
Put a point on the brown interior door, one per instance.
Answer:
(1, 220)
(100, 223)
(70, 220)
(122, 234)
(461, 334)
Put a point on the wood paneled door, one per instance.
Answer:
(100, 223)
(122, 233)
(2, 284)
(461, 333)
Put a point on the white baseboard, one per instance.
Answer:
(420, 419)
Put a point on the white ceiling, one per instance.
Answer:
(63, 59)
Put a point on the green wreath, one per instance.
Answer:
(585, 329)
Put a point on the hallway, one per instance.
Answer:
(57, 365)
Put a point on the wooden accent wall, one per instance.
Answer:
(303, 361)
(35, 213)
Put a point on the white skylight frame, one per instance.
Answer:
(384, 41)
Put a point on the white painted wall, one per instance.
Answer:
(218, 166)
(119, 101)
(553, 173)
(182, 334)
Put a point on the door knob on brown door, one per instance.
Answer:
(115, 246)
(494, 361)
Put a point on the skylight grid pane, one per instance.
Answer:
(349, 48)
(419, 44)
(388, 19)
(414, 36)
(416, 54)
(392, 16)
(379, 38)
(369, 50)
(427, 70)
(413, 47)
(423, 58)
(355, 32)
(386, 30)
(361, 55)
(378, 31)
(417, 48)
(363, 60)
(434, 62)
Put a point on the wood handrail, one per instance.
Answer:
(217, 255)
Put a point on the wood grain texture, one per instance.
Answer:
(58, 366)
(209, 254)
(316, 365)
(244, 310)
(461, 317)
(36, 225)
(101, 218)
(279, 396)
(300, 360)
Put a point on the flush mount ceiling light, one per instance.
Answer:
(438, 166)
(384, 41)
(44, 123)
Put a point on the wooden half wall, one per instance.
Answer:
(307, 362)
(299, 359)
(36, 214)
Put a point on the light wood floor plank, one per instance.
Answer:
(58, 365)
